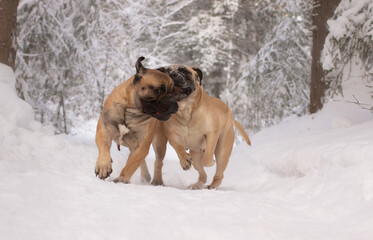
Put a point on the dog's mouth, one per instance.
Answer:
(181, 93)
(160, 108)
(183, 84)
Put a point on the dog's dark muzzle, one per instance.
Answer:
(183, 83)
(160, 108)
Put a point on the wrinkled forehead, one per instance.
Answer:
(180, 68)
(179, 72)
(184, 70)
(156, 78)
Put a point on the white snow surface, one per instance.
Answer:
(306, 178)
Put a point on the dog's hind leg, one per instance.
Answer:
(144, 172)
(137, 156)
(159, 147)
(135, 159)
(145, 176)
(222, 153)
(197, 164)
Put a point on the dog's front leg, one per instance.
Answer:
(103, 141)
(137, 156)
(184, 157)
(135, 159)
(159, 146)
(211, 141)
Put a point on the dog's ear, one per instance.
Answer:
(162, 69)
(139, 67)
(200, 74)
(136, 79)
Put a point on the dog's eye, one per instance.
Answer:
(183, 70)
(161, 89)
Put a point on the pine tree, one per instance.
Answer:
(276, 83)
(72, 54)
(349, 39)
(53, 51)
(208, 42)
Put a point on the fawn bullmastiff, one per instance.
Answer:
(130, 118)
(203, 125)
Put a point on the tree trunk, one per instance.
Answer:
(8, 25)
(322, 11)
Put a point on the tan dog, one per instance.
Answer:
(203, 124)
(129, 117)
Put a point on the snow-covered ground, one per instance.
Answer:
(306, 178)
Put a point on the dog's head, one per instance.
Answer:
(154, 90)
(186, 79)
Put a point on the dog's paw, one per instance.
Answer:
(157, 182)
(145, 178)
(215, 182)
(103, 169)
(196, 186)
(186, 162)
(121, 179)
(210, 187)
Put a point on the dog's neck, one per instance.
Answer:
(134, 118)
(187, 105)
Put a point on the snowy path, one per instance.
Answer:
(307, 178)
(306, 187)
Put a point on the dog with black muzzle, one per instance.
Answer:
(130, 117)
(203, 124)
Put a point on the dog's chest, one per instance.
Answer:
(184, 114)
(194, 140)
(188, 133)
(130, 128)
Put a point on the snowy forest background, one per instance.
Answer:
(255, 55)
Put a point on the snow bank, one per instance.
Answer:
(306, 178)
(13, 111)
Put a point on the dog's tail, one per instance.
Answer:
(242, 131)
